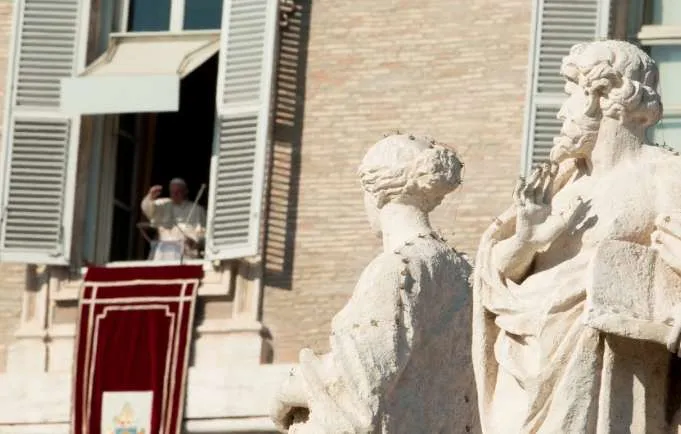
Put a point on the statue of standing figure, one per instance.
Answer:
(391, 367)
(576, 283)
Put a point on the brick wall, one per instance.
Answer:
(5, 32)
(453, 69)
(12, 277)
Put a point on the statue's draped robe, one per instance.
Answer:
(391, 365)
(539, 369)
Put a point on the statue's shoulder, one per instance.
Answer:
(432, 253)
(384, 268)
(661, 157)
(662, 166)
(660, 163)
(428, 254)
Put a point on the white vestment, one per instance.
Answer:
(174, 222)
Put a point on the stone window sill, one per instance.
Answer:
(218, 279)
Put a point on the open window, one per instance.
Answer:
(190, 103)
(195, 105)
(149, 149)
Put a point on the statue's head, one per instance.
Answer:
(605, 79)
(408, 170)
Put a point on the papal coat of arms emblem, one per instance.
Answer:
(125, 422)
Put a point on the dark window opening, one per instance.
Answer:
(124, 211)
(163, 146)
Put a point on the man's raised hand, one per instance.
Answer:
(155, 191)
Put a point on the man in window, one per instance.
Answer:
(180, 223)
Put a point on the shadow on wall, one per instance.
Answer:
(284, 173)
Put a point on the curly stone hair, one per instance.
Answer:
(619, 78)
(406, 169)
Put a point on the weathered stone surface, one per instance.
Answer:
(392, 367)
(573, 310)
(219, 400)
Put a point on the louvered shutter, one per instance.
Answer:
(244, 102)
(558, 25)
(39, 143)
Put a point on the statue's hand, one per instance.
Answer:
(666, 239)
(536, 225)
(284, 415)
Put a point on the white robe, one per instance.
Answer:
(174, 222)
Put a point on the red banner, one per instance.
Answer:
(133, 340)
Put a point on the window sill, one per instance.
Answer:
(672, 111)
(162, 35)
(660, 35)
(217, 279)
(207, 265)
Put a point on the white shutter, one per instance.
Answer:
(557, 26)
(40, 144)
(244, 102)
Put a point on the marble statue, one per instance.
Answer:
(576, 319)
(389, 368)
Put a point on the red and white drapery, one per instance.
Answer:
(132, 349)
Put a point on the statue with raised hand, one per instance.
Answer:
(571, 318)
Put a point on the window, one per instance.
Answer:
(202, 14)
(152, 149)
(665, 12)
(149, 15)
(162, 142)
(173, 15)
(660, 35)
(197, 103)
(668, 130)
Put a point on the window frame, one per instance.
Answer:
(132, 136)
(99, 215)
(96, 243)
(176, 25)
(649, 33)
